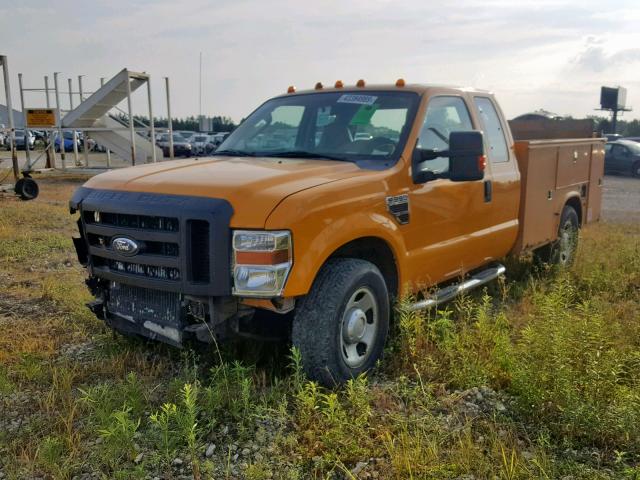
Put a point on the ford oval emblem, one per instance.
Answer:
(125, 246)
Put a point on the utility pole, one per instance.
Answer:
(200, 96)
(60, 136)
(170, 122)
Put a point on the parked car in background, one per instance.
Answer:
(181, 147)
(23, 136)
(612, 137)
(68, 141)
(633, 139)
(199, 143)
(622, 156)
(186, 134)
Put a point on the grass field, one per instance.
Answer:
(535, 377)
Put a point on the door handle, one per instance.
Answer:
(488, 191)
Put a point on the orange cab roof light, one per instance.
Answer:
(360, 83)
(291, 89)
(400, 82)
(339, 84)
(318, 86)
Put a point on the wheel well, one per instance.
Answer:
(577, 206)
(376, 251)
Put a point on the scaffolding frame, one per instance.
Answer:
(4, 62)
(61, 113)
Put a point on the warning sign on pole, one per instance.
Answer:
(41, 117)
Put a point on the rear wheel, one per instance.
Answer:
(341, 326)
(562, 251)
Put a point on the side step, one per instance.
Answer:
(449, 293)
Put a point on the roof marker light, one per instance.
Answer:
(291, 89)
(318, 86)
(360, 83)
(400, 82)
(339, 84)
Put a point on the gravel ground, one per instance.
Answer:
(621, 199)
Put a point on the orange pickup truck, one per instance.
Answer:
(320, 209)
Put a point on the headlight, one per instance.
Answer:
(261, 262)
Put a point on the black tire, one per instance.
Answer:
(319, 327)
(562, 251)
(26, 188)
(635, 170)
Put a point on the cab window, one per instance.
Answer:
(493, 131)
(444, 115)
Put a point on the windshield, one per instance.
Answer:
(338, 125)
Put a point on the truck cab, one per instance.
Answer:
(323, 207)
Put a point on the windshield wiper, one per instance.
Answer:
(304, 154)
(234, 153)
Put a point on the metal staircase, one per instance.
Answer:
(92, 115)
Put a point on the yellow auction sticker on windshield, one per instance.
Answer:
(363, 115)
(357, 99)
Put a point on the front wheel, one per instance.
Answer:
(635, 170)
(341, 326)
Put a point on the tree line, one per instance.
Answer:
(626, 128)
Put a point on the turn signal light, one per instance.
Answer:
(400, 82)
(291, 89)
(338, 84)
(318, 86)
(482, 163)
(360, 83)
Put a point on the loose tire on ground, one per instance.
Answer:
(26, 188)
(562, 251)
(341, 326)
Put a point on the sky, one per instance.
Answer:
(551, 54)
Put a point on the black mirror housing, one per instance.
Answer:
(467, 160)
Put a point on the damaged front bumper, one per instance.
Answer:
(169, 317)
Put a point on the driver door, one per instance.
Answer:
(447, 218)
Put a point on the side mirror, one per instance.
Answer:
(466, 156)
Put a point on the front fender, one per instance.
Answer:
(323, 219)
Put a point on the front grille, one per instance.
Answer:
(164, 242)
(126, 220)
(149, 271)
(157, 237)
(166, 249)
(139, 304)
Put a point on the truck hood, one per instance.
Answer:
(254, 186)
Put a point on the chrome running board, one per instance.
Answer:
(449, 293)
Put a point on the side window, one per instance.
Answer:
(494, 134)
(444, 115)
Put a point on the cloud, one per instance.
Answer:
(595, 58)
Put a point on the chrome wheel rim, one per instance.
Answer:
(359, 327)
